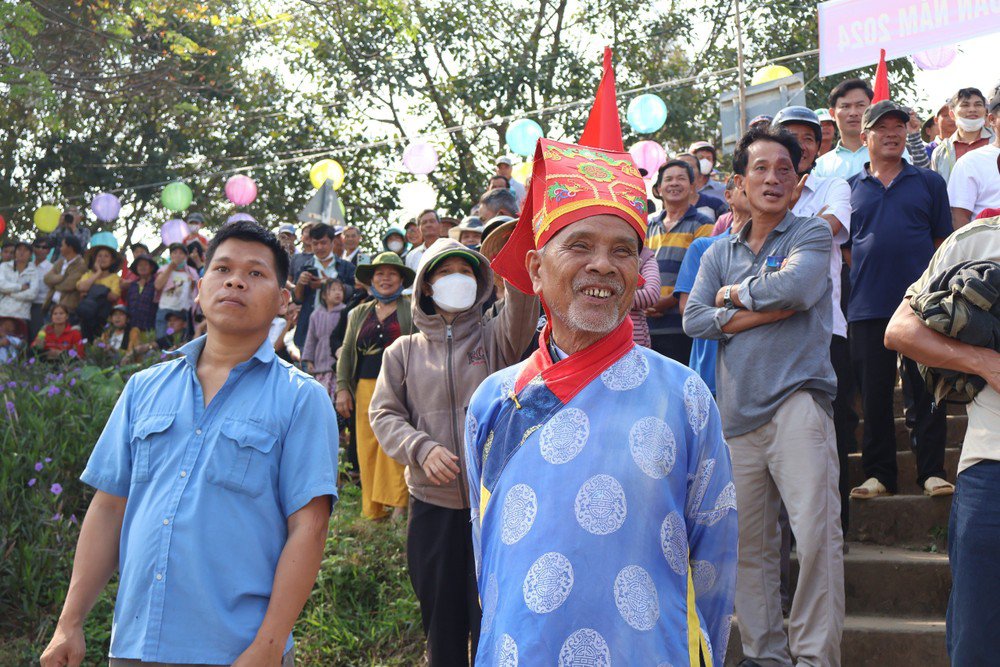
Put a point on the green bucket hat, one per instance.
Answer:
(364, 272)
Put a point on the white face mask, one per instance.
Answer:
(970, 124)
(705, 165)
(395, 246)
(455, 292)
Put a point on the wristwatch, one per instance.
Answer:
(727, 297)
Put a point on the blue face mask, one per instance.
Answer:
(386, 298)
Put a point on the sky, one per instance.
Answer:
(975, 65)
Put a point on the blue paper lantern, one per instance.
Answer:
(104, 239)
(522, 135)
(647, 113)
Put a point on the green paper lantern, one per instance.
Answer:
(176, 197)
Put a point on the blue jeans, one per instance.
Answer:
(973, 550)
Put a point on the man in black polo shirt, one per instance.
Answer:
(900, 215)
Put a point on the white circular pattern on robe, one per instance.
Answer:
(548, 583)
(519, 509)
(565, 435)
(697, 401)
(471, 427)
(490, 602)
(673, 541)
(585, 648)
(703, 574)
(600, 505)
(653, 447)
(636, 598)
(627, 373)
(506, 651)
(507, 385)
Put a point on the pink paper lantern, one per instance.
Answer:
(420, 158)
(106, 206)
(239, 217)
(648, 155)
(241, 190)
(938, 58)
(174, 231)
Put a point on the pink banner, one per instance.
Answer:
(852, 31)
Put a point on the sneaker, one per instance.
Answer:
(935, 486)
(872, 488)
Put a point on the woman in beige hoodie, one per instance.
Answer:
(418, 414)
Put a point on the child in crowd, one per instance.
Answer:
(319, 353)
(59, 338)
(118, 335)
(10, 344)
(176, 333)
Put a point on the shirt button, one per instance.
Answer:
(166, 522)
(184, 473)
(159, 577)
(198, 431)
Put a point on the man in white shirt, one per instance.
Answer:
(40, 249)
(352, 247)
(975, 178)
(430, 230)
(505, 168)
(974, 526)
(828, 198)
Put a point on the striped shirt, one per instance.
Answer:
(670, 247)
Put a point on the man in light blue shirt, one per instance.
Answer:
(215, 478)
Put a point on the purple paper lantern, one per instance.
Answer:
(106, 206)
(648, 155)
(420, 158)
(938, 58)
(174, 231)
(241, 190)
(239, 217)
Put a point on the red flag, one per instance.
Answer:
(604, 128)
(881, 80)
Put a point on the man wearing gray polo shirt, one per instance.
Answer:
(765, 295)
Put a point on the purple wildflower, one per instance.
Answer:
(72, 382)
(36, 388)
(48, 459)
(38, 466)
(11, 384)
(72, 518)
(101, 344)
(55, 489)
(72, 353)
(170, 331)
(31, 361)
(53, 391)
(56, 516)
(10, 407)
(32, 481)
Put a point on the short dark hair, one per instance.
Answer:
(322, 230)
(846, 86)
(177, 246)
(676, 162)
(41, 242)
(7, 244)
(193, 247)
(74, 243)
(965, 94)
(502, 201)
(502, 178)
(429, 210)
(18, 244)
(244, 230)
(779, 136)
(139, 245)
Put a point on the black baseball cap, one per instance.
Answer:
(881, 110)
(994, 103)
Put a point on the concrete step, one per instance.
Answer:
(906, 464)
(890, 581)
(871, 641)
(956, 432)
(917, 522)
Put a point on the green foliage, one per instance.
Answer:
(361, 612)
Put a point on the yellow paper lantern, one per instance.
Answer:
(522, 172)
(327, 170)
(769, 73)
(47, 218)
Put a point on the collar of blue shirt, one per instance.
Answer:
(192, 351)
(908, 170)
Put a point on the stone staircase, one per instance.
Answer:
(896, 574)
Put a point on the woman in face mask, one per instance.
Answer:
(394, 240)
(968, 109)
(371, 328)
(418, 414)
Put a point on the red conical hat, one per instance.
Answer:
(570, 182)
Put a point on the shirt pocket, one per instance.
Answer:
(148, 440)
(241, 459)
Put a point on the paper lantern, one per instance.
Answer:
(239, 217)
(104, 239)
(417, 196)
(648, 155)
(47, 218)
(106, 206)
(174, 231)
(522, 172)
(3, 225)
(646, 113)
(326, 170)
(241, 190)
(522, 135)
(420, 158)
(176, 197)
(769, 73)
(938, 58)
